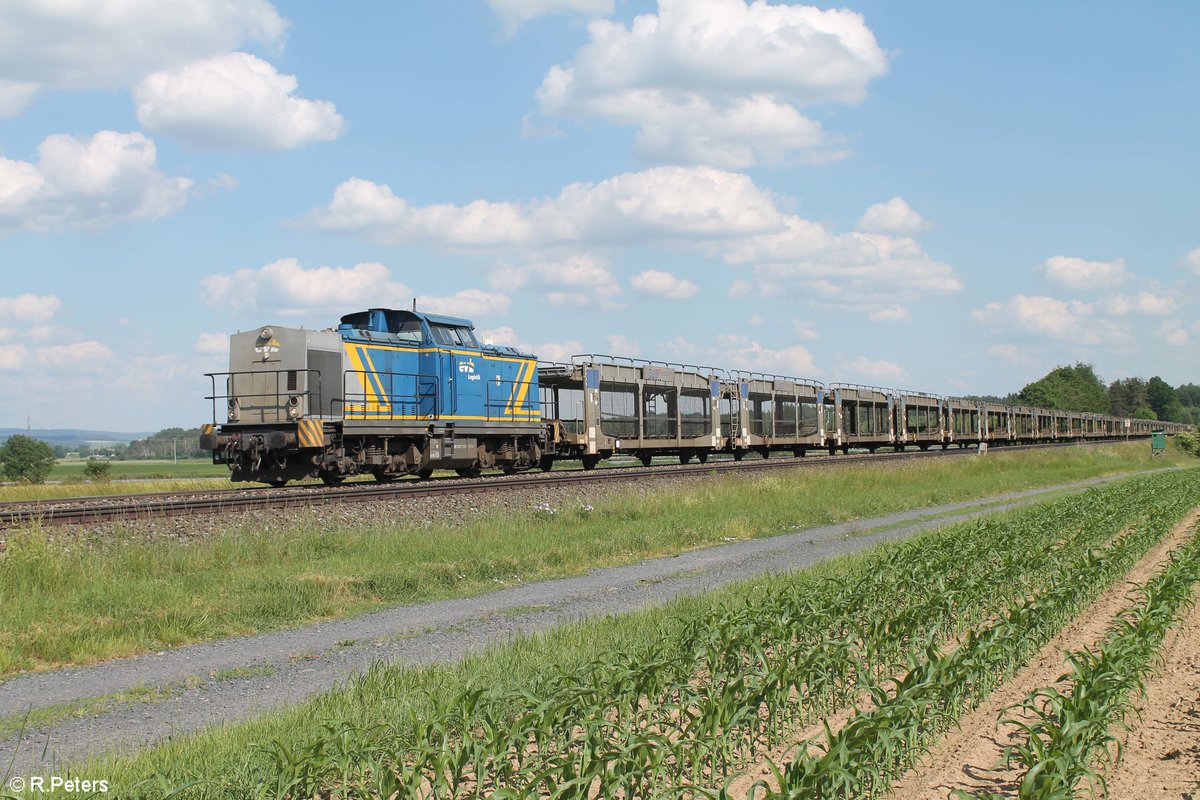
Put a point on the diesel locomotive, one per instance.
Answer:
(391, 393)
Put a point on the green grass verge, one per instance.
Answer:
(228, 761)
(69, 601)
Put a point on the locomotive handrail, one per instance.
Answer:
(281, 413)
(425, 392)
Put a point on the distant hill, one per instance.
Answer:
(70, 437)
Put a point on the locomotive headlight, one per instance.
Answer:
(293, 406)
(234, 411)
(266, 333)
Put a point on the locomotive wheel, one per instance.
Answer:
(546, 464)
(382, 477)
(425, 474)
(279, 483)
(332, 480)
(468, 472)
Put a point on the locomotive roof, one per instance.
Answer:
(405, 314)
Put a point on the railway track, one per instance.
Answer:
(145, 506)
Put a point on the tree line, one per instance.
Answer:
(1079, 388)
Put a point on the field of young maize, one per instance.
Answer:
(1072, 736)
(689, 715)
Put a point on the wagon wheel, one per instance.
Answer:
(647, 459)
(546, 463)
(425, 474)
(278, 483)
(332, 480)
(468, 472)
(590, 462)
(702, 456)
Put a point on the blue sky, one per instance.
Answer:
(949, 197)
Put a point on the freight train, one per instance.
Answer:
(391, 393)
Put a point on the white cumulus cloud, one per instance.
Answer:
(234, 100)
(657, 203)
(1174, 332)
(87, 183)
(110, 44)
(546, 351)
(211, 344)
(890, 314)
(733, 351)
(664, 284)
(805, 330)
(1080, 275)
(12, 357)
(864, 271)
(286, 287)
(30, 308)
(1147, 303)
(1071, 321)
(880, 370)
(15, 96)
(894, 216)
(1191, 260)
(580, 280)
(469, 303)
(718, 81)
(621, 345)
(89, 356)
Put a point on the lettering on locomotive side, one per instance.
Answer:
(468, 368)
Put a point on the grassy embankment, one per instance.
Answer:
(375, 717)
(68, 600)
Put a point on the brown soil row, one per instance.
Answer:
(969, 758)
(940, 766)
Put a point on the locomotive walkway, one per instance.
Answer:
(233, 679)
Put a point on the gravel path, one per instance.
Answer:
(293, 665)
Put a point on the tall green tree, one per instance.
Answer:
(26, 459)
(1076, 388)
(1189, 395)
(1163, 400)
(1127, 396)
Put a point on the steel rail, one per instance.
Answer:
(166, 504)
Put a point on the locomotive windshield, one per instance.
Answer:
(453, 336)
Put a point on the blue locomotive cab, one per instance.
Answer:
(406, 365)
